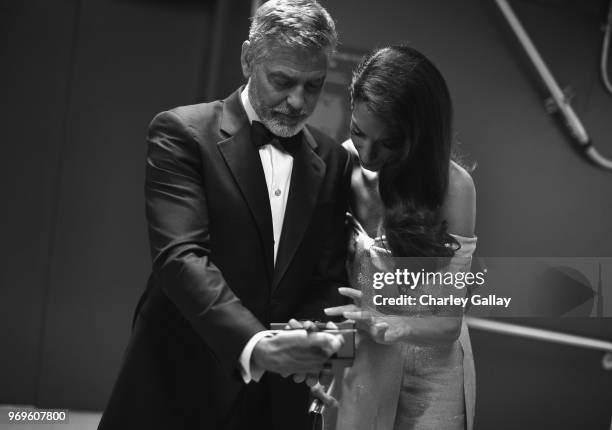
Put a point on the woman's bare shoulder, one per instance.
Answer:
(459, 208)
(460, 182)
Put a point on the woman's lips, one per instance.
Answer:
(371, 166)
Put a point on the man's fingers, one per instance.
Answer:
(330, 325)
(326, 376)
(309, 325)
(312, 379)
(328, 343)
(318, 391)
(298, 378)
(293, 323)
(302, 352)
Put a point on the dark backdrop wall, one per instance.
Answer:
(81, 80)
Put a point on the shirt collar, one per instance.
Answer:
(248, 107)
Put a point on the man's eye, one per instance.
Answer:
(282, 83)
(314, 86)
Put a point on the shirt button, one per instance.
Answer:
(277, 193)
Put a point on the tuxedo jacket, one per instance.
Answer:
(214, 283)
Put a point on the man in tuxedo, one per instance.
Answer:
(245, 207)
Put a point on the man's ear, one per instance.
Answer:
(246, 59)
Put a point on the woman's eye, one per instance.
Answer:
(390, 144)
(356, 132)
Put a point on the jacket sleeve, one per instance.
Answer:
(180, 241)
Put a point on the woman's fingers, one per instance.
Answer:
(352, 294)
(365, 321)
(340, 310)
(399, 328)
(357, 315)
(379, 331)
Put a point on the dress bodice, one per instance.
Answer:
(368, 255)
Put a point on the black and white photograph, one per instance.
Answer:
(306, 215)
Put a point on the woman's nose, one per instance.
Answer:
(367, 151)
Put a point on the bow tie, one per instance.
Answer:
(261, 136)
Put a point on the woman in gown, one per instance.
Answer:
(413, 367)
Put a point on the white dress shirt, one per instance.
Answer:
(277, 166)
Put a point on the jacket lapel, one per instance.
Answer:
(242, 158)
(306, 178)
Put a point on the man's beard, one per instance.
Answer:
(274, 118)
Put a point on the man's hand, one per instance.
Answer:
(296, 351)
(319, 383)
(323, 388)
(311, 379)
(319, 391)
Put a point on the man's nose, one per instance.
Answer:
(296, 98)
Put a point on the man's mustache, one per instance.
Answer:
(291, 112)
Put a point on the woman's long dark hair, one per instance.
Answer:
(406, 91)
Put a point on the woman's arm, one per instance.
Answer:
(459, 207)
(459, 211)
(388, 329)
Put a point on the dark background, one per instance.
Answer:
(81, 79)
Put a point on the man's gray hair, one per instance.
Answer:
(293, 24)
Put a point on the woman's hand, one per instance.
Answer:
(378, 326)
